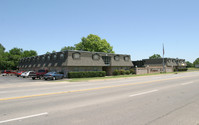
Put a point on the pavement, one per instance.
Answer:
(171, 99)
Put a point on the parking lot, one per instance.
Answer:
(17, 80)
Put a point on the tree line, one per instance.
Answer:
(10, 60)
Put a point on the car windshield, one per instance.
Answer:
(41, 70)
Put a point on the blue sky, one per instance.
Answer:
(135, 27)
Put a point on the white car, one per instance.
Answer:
(26, 74)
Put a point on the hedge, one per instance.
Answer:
(121, 72)
(185, 69)
(116, 72)
(86, 74)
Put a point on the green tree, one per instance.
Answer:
(155, 56)
(67, 48)
(16, 51)
(2, 59)
(94, 43)
(47, 52)
(2, 49)
(189, 64)
(14, 56)
(29, 53)
(196, 62)
(53, 51)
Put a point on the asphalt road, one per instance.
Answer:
(150, 100)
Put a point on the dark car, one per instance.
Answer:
(38, 75)
(53, 76)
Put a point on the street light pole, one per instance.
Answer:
(163, 59)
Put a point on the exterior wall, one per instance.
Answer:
(140, 71)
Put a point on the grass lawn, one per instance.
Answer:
(193, 69)
(110, 77)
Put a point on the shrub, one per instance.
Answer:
(116, 72)
(86, 74)
(132, 71)
(185, 69)
(122, 72)
(127, 72)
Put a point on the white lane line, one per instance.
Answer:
(186, 83)
(142, 93)
(25, 117)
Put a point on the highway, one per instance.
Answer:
(171, 99)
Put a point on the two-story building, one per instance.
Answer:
(175, 63)
(73, 60)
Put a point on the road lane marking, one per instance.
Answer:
(186, 83)
(142, 93)
(90, 89)
(25, 117)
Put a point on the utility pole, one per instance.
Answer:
(163, 59)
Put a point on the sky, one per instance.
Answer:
(134, 27)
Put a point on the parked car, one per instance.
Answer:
(19, 73)
(53, 76)
(26, 74)
(7, 72)
(38, 75)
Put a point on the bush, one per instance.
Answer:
(185, 69)
(132, 71)
(127, 72)
(122, 72)
(116, 72)
(86, 74)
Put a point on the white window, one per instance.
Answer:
(43, 58)
(55, 57)
(126, 58)
(76, 55)
(48, 57)
(117, 58)
(62, 56)
(96, 57)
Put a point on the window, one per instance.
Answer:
(76, 55)
(62, 56)
(48, 57)
(96, 57)
(43, 58)
(117, 58)
(76, 69)
(28, 59)
(107, 60)
(95, 69)
(38, 59)
(126, 58)
(55, 57)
